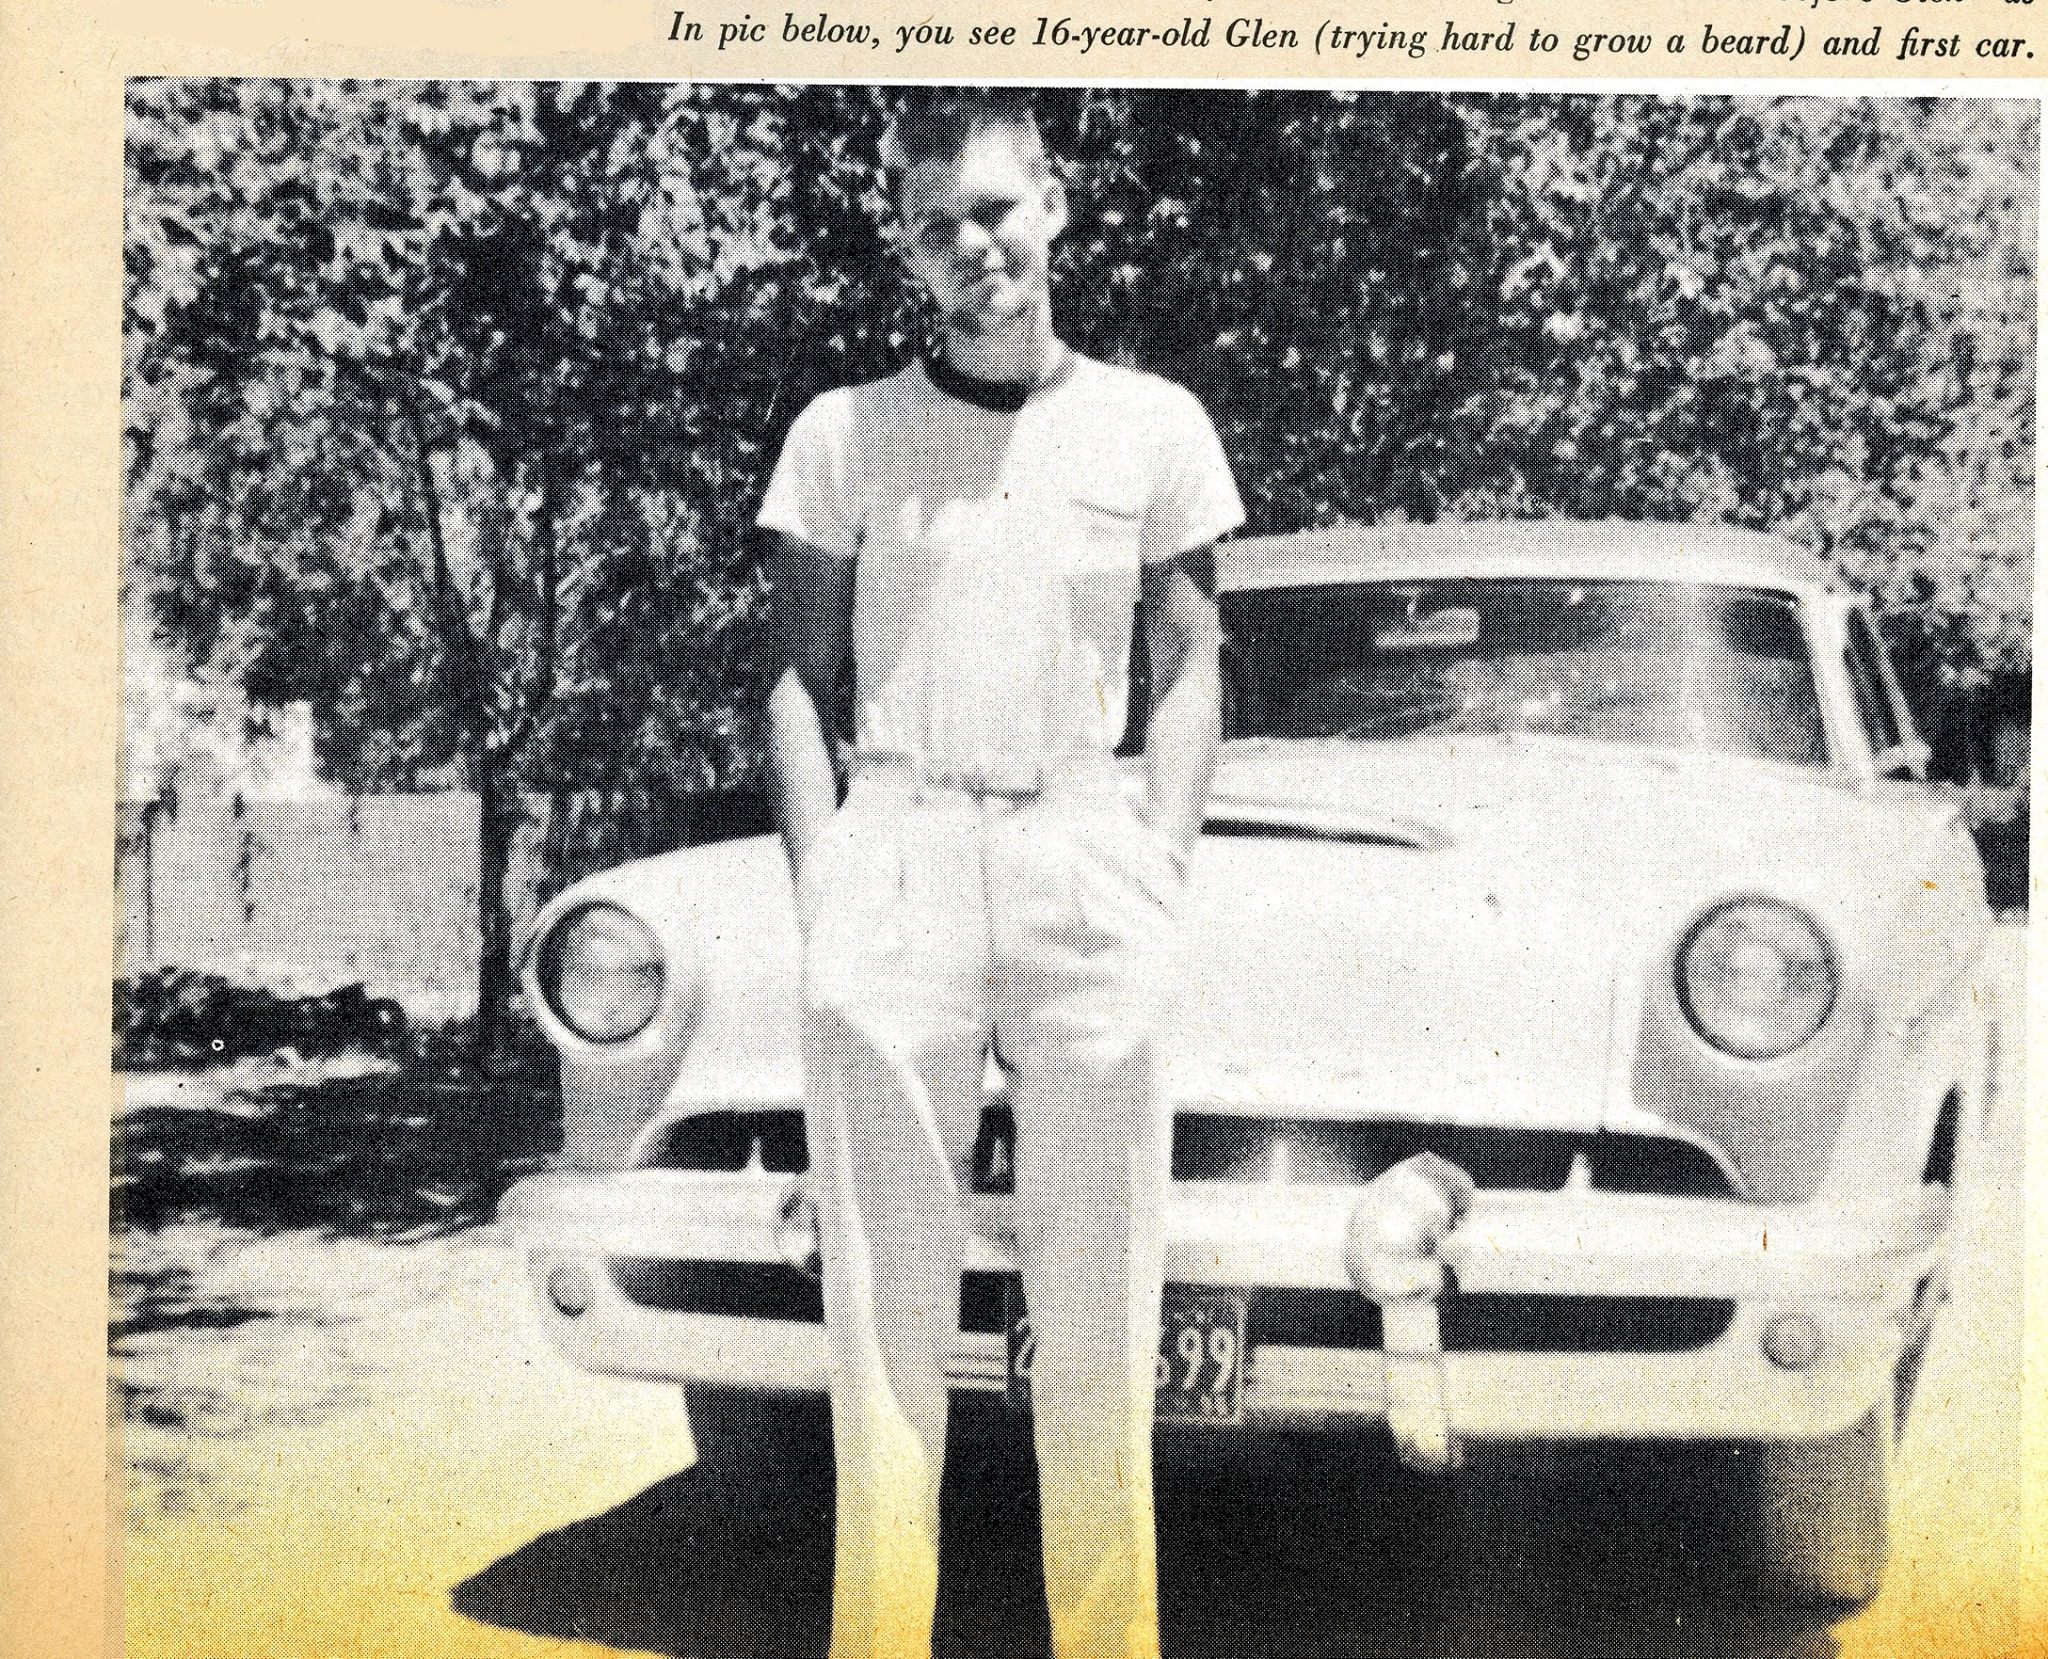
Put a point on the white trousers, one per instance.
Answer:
(941, 921)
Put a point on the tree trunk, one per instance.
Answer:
(497, 809)
(554, 865)
(497, 815)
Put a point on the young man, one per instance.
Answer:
(976, 531)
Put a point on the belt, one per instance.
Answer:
(1001, 779)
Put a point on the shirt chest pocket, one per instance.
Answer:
(1099, 534)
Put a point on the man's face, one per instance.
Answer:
(977, 231)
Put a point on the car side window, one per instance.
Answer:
(1863, 656)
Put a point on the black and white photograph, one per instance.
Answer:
(917, 871)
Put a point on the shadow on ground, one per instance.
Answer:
(267, 1232)
(1302, 1547)
(391, 1154)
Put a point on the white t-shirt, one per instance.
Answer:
(999, 555)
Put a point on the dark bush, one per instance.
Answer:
(172, 1017)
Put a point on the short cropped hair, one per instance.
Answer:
(937, 125)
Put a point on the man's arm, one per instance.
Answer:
(813, 597)
(1183, 638)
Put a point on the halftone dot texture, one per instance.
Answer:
(1045, 925)
(396, 343)
(988, 886)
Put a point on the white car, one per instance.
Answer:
(1595, 861)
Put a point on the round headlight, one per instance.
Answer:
(601, 971)
(1756, 978)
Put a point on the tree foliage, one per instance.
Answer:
(448, 404)
(444, 405)
(1806, 315)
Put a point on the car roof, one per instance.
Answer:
(1611, 550)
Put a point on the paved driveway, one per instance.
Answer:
(384, 1459)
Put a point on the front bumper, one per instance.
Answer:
(1852, 1273)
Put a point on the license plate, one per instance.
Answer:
(1200, 1365)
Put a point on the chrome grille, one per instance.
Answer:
(1225, 1147)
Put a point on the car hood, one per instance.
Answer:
(1599, 821)
(1501, 794)
(1457, 930)
(1453, 931)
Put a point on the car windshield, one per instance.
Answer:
(1671, 664)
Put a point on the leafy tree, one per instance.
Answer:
(1806, 315)
(406, 363)
(448, 405)
(1294, 257)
